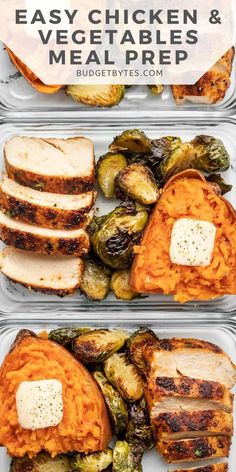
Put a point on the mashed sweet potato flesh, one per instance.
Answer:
(153, 271)
(85, 425)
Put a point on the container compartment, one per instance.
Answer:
(216, 331)
(17, 299)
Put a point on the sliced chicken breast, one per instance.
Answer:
(220, 467)
(191, 358)
(49, 210)
(51, 165)
(194, 449)
(165, 394)
(192, 424)
(53, 275)
(212, 86)
(43, 240)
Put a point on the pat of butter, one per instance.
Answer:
(192, 242)
(39, 404)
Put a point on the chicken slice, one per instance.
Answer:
(194, 449)
(211, 87)
(166, 394)
(191, 358)
(51, 165)
(220, 467)
(43, 240)
(192, 424)
(49, 210)
(54, 275)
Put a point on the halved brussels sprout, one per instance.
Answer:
(96, 281)
(108, 167)
(116, 406)
(156, 89)
(218, 180)
(94, 462)
(181, 158)
(66, 336)
(43, 462)
(139, 430)
(124, 376)
(131, 141)
(125, 459)
(137, 182)
(120, 285)
(211, 154)
(99, 344)
(137, 344)
(97, 95)
(113, 236)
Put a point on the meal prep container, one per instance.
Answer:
(222, 333)
(17, 96)
(14, 298)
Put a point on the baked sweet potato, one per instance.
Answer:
(187, 195)
(31, 77)
(85, 425)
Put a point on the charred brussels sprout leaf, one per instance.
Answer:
(220, 182)
(66, 336)
(108, 167)
(156, 89)
(96, 346)
(162, 148)
(138, 183)
(125, 459)
(97, 95)
(139, 431)
(96, 281)
(180, 158)
(137, 345)
(131, 141)
(43, 462)
(120, 285)
(95, 462)
(125, 377)
(113, 236)
(211, 155)
(115, 404)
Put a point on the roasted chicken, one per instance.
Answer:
(194, 449)
(220, 467)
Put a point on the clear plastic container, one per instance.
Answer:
(17, 96)
(222, 333)
(14, 298)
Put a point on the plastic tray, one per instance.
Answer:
(216, 331)
(16, 95)
(17, 299)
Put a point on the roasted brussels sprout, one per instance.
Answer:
(156, 89)
(95, 462)
(218, 180)
(125, 459)
(181, 158)
(131, 141)
(137, 182)
(97, 95)
(66, 336)
(139, 431)
(137, 344)
(120, 285)
(113, 236)
(124, 376)
(211, 155)
(96, 281)
(43, 462)
(99, 344)
(162, 148)
(115, 404)
(108, 167)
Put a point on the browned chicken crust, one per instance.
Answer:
(220, 467)
(190, 424)
(211, 87)
(194, 449)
